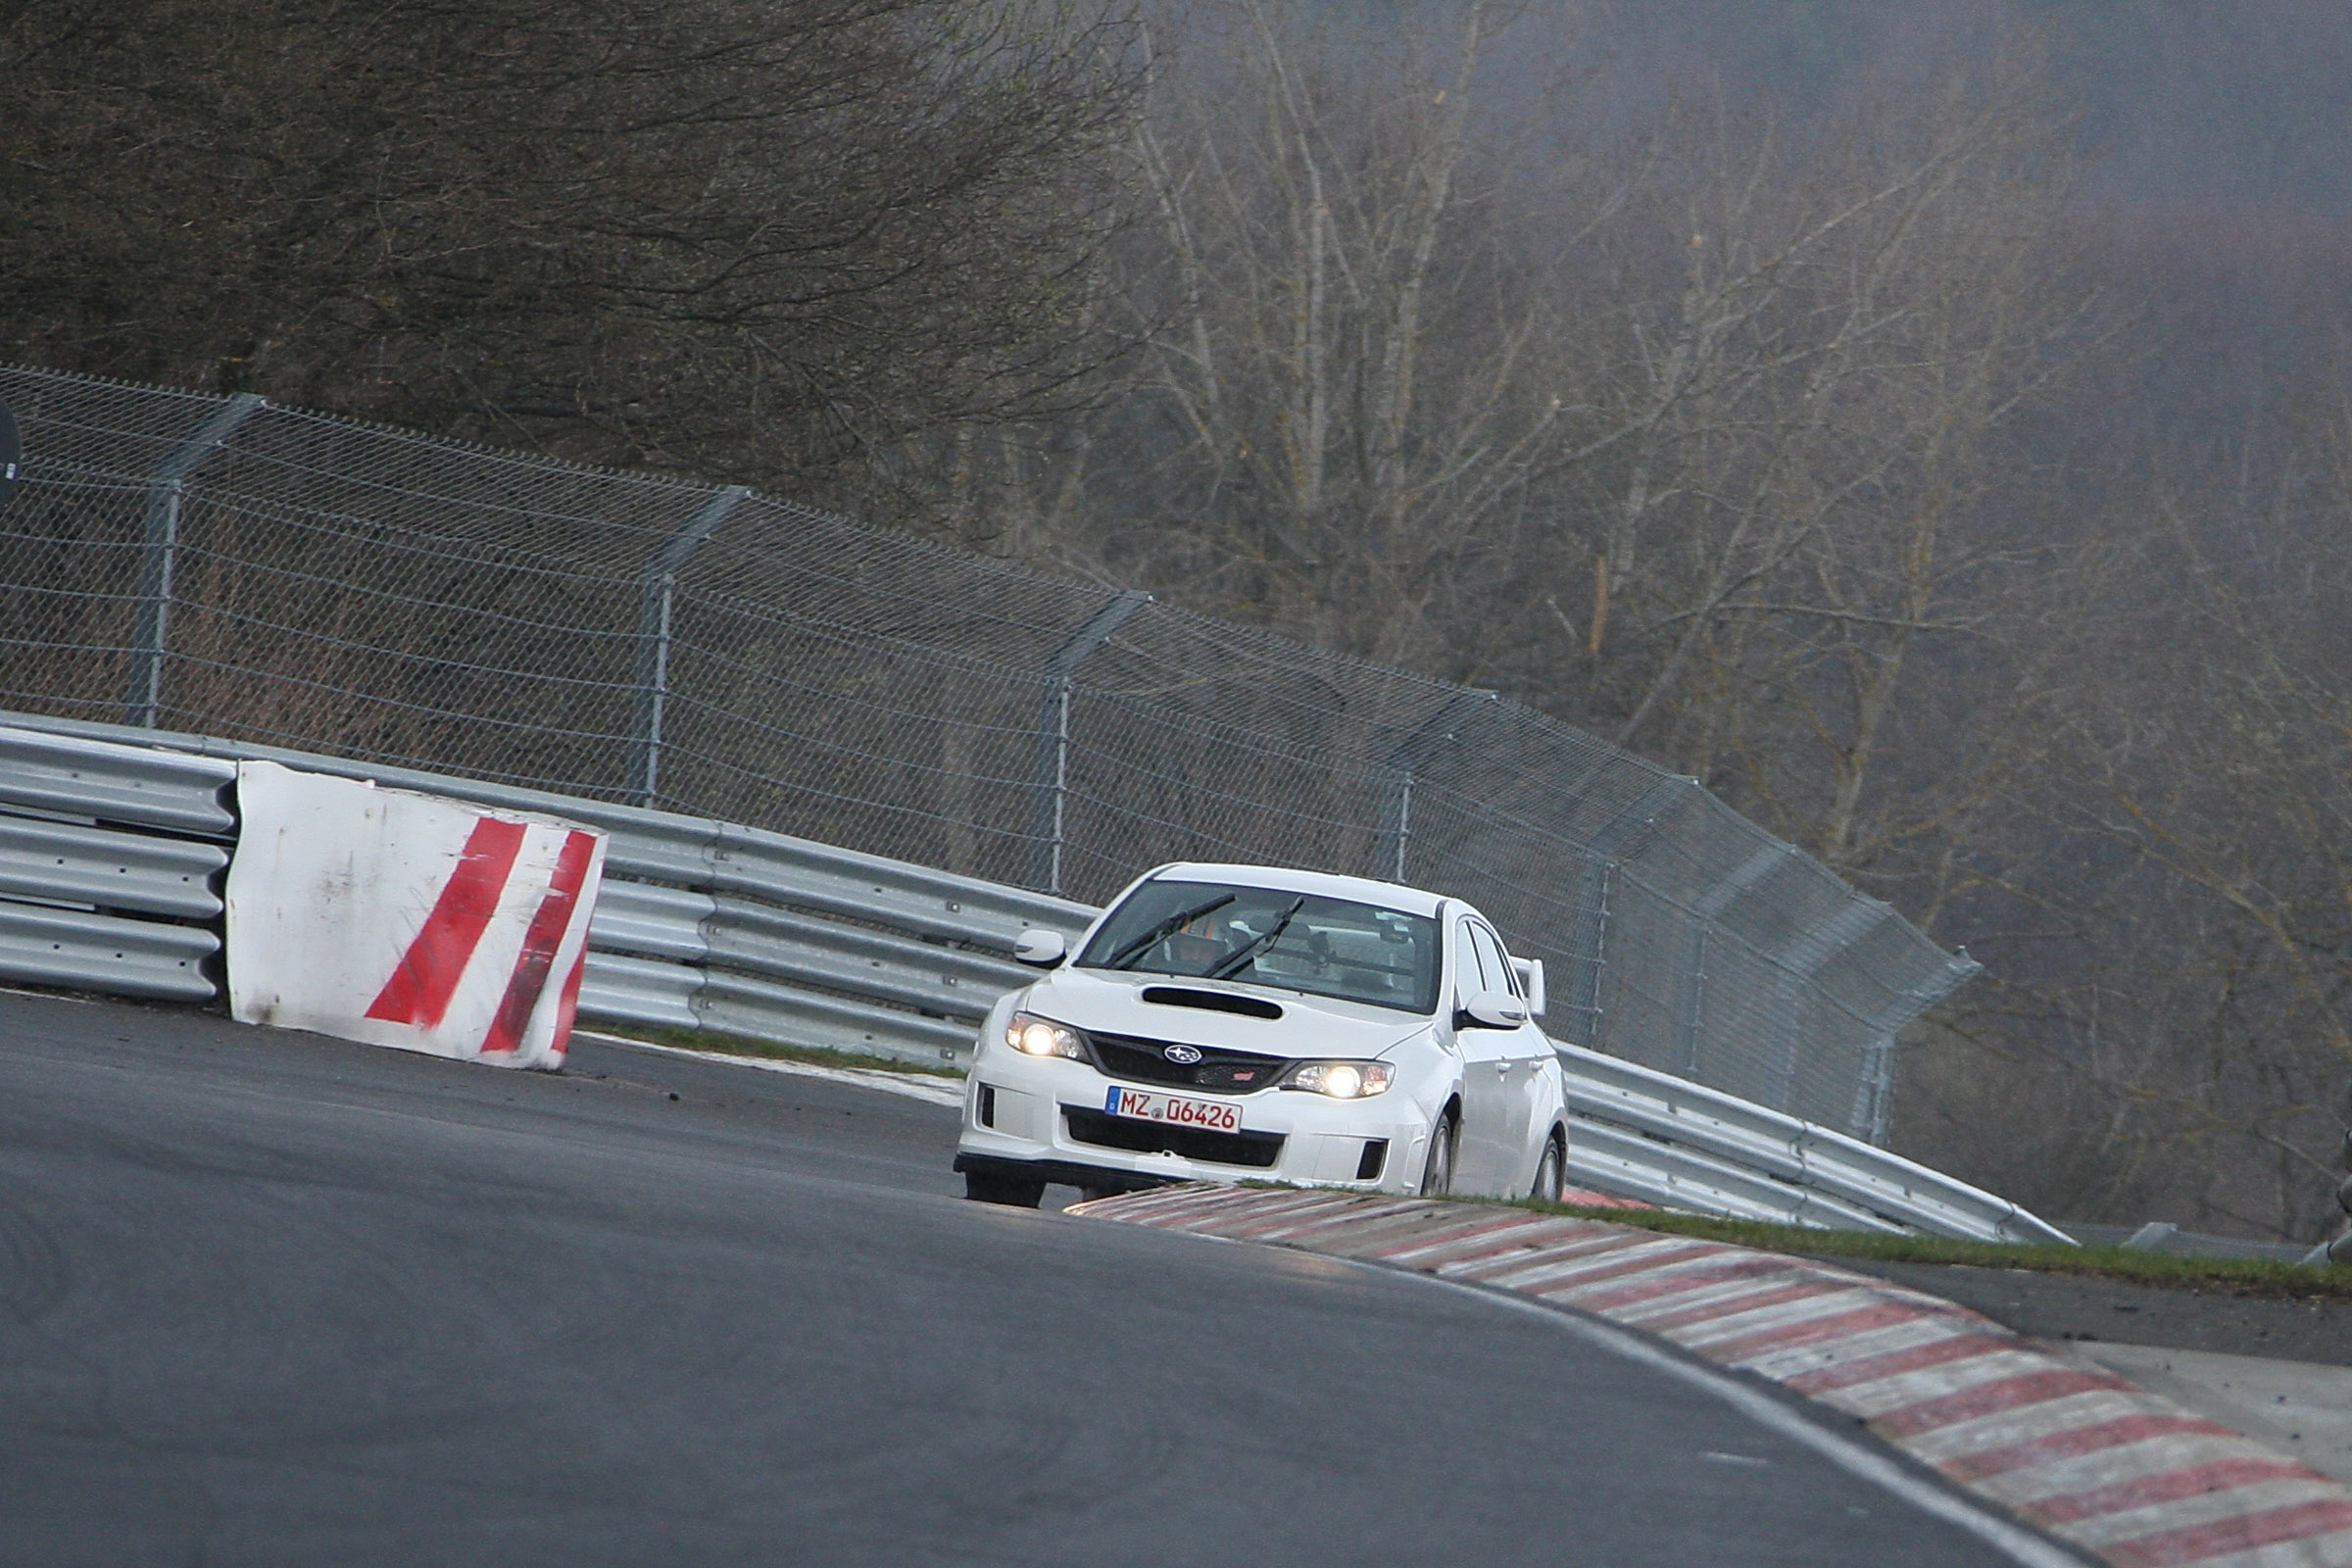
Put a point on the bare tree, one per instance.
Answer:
(1342, 386)
(2213, 747)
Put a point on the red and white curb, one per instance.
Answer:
(2120, 1473)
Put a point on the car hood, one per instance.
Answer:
(1311, 1026)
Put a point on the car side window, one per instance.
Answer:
(1470, 968)
(1497, 968)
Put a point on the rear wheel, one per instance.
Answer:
(1551, 1172)
(999, 1187)
(1437, 1176)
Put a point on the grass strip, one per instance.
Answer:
(2130, 1265)
(727, 1045)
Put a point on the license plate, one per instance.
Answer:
(1177, 1111)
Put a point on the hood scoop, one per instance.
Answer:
(1212, 1002)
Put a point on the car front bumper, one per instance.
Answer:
(1046, 1116)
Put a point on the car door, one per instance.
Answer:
(1517, 1070)
(1538, 1099)
(1488, 1148)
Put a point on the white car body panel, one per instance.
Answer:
(1023, 1112)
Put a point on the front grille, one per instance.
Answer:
(1258, 1151)
(1228, 1072)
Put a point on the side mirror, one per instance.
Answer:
(1041, 949)
(1531, 981)
(1490, 1009)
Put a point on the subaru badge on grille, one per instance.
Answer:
(1182, 1055)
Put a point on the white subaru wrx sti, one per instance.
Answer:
(1226, 1022)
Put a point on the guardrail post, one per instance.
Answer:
(657, 597)
(1054, 735)
(1412, 753)
(158, 555)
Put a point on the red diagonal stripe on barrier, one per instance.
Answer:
(539, 944)
(567, 1005)
(419, 990)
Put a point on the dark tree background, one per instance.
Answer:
(770, 240)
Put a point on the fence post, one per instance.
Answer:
(657, 594)
(158, 555)
(1605, 858)
(1706, 915)
(1054, 735)
(11, 449)
(2338, 1251)
(1412, 753)
(1873, 1094)
(1874, 1090)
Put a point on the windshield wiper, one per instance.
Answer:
(1143, 944)
(1237, 960)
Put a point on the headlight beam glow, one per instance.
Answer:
(1341, 1080)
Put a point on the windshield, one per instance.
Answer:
(1265, 936)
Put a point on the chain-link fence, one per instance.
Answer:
(216, 564)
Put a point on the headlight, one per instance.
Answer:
(1033, 1036)
(1343, 1080)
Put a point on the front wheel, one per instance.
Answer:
(1437, 1176)
(1552, 1173)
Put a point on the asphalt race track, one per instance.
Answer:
(270, 1299)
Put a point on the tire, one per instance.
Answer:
(996, 1187)
(1437, 1176)
(1552, 1173)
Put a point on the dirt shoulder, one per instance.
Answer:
(2110, 1294)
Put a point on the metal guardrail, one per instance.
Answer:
(74, 771)
(110, 864)
(1647, 1135)
(66, 862)
(708, 925)
(86, 951)
(701, 925)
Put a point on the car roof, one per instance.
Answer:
(1323, 884)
